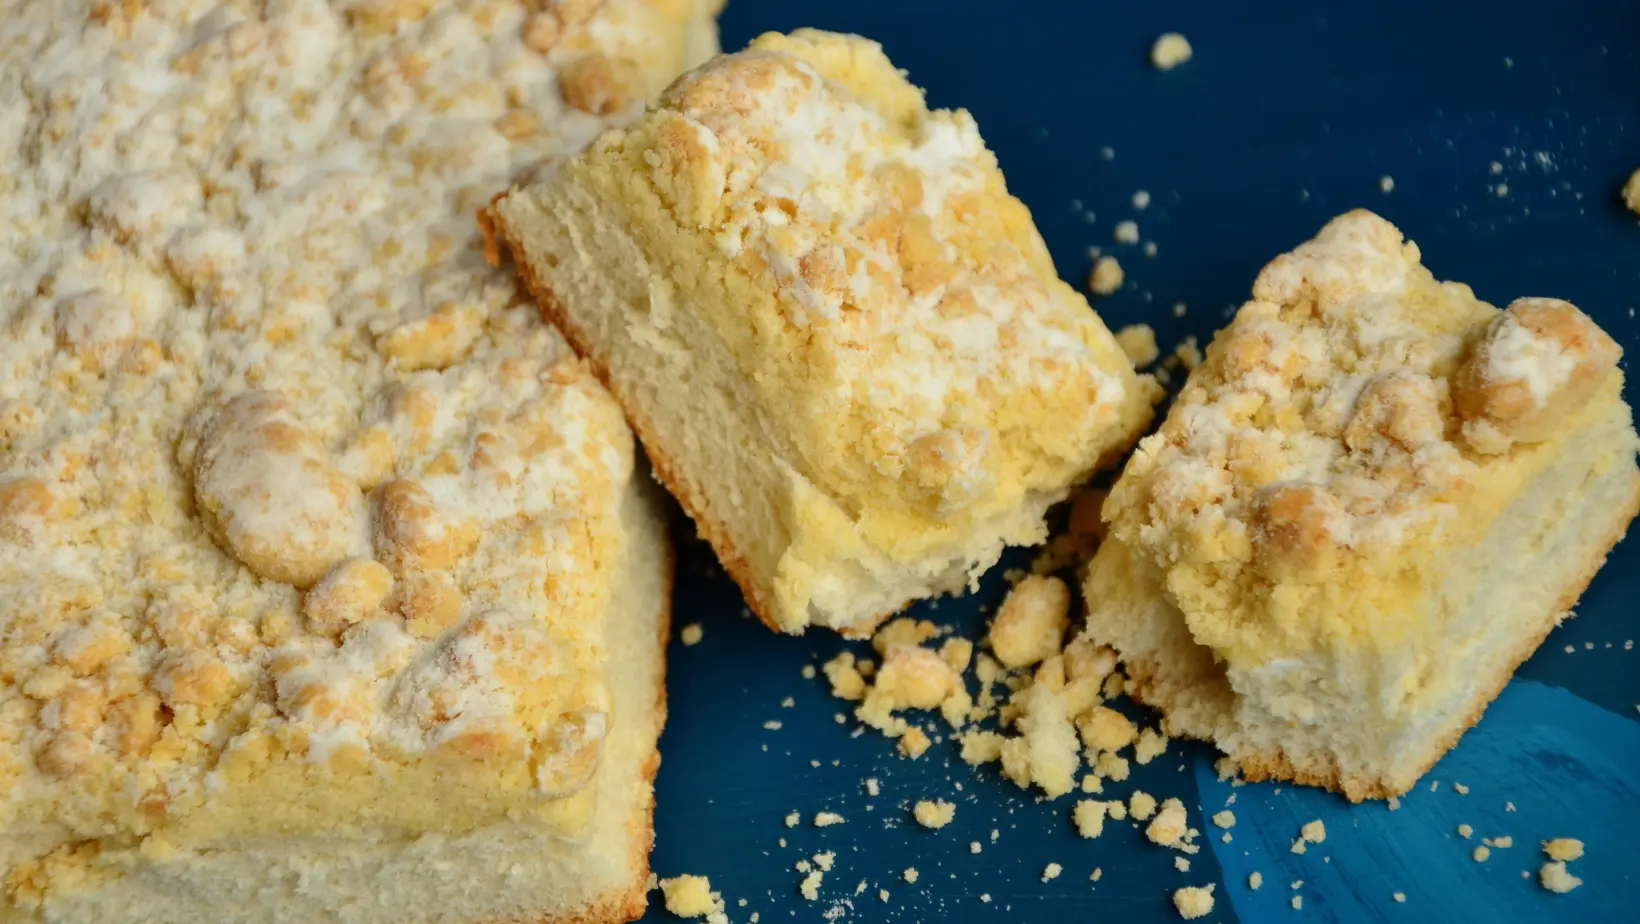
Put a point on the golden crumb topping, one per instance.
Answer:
(891, 299)
(292, 492)
(1354, 409)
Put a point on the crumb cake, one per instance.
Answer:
(840, 339)
(1371, 502)
(327, 587)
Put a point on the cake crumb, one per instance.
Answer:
(985, 897)
(873, 787)
(974, 847)
(1481, 853)
(1091, 784)
(1298, 902)
(1461, 789)
(1563, 848)
(1169, 826)
(1314, 831)
(1141, 805)
(1299, 846)
(810, 886)
(1051, 871)
(1399, 896)
(1181, 864)
(827, 819)
(1194, 901)
(1089, 817)
(1105, 729)
(1465, 831)
(1138, 341)
(910, 874)
(1499, 843)
(1394, 803)
(773, 725)
(1386, 184)
(1225, 819)
(793, 819)
(1169, 51)
(1141, 200)
(808, 672)
(1111, 767)
(1255, 880)
(1151, 745)
(1030, 624)
(882, 895)
(914, 742)
(1106, 277)
(1555, 878)
(825, 860)
(1127, 232)
(690, 896)
(692, 634)
(934, 814)
(1098, 871)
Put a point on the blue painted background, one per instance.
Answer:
(1290, 113)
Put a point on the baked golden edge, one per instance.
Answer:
(1276, 765)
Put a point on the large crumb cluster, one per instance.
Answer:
(692, 897)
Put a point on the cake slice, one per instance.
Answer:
(1369, 504)
(329, 590)
(841, 341)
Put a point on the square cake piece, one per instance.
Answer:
(840, 339)
(1370, 503)
(328, 590)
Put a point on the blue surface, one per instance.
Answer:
(1286, 116)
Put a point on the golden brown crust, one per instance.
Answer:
(1276, 765)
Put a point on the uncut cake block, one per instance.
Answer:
(840, 339)
(1369, 504)
(328, 588)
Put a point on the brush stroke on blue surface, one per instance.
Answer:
(1507, 129)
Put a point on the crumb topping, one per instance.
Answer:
(292, 492)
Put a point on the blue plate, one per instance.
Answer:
(1507, 131)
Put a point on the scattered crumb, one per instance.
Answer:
(1465, 831)
(1299, 846)
(910, 874)
(825, 860)
(1098, 871)
(1400, 896)
(1138, 341)
(1141, 199)
(773, 725)
(1387, 184)
(934, 814)
(873, 787)
(1170, 824)
(1051, 871)
(808, 672)
(1499, 843)
(846, 679)
(787, 703)
(1089, 817)
(691, 896)
(1298, 902)
(1149, 249)
(1030, 624)
(974, 847)
(1170, 51)
(1180, 309)
(882, 895)
(691, 634)
(1226, 767)
(985, 897)
(1091, 784)
(1117, 809)
(810, 886)
(1555, 878)
(1106, 729)
(1481, 853)
(1106, 277)
(1255, 880)
(914, 742)
(1461, 789)
(1111, 767)
(1314, 831)
(1194, 901)
(792, 819)
(1225, 819)
(1563, 848)
(1127, 232)
(1509, 806)
(1151, 745)
(1181, 864)
(1141, 805)
(1394, 803)
(827, 819)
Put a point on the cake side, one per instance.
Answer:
(307, 525)
(841, 275)
(1305, 558)
(507, 872)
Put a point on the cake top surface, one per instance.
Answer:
(892, 305)
(288, 478)
(1354, 413)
